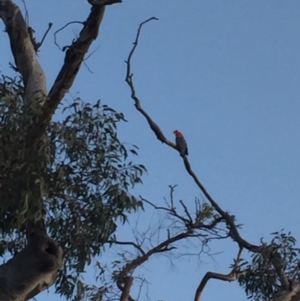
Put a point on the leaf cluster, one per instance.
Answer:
(77, 177)
(259, 278)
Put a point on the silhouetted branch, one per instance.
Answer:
(224, 277)
(73, 60)
(233, 232)
(126, 243)
(62, 28)
(265, 250)
(166, 245)
(45, 34)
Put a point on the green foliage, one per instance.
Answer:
(259, 278)
(78, 177)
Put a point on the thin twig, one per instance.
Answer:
(186, 210)
(62, 28)
(45, 34)
(126, 243)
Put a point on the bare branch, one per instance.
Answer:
(116, 242)
(189, 223)
(234, 234)
(172, 188)
(62, 28)
(224, 277)
(45, 34)
(159, 134)
(186, 211)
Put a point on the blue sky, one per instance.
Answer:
(227, 74)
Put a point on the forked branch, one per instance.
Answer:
(233, 232)
(190, 228)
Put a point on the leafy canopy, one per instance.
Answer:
(77, 176)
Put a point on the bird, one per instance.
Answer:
(181, 143)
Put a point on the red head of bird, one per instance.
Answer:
(178, 134)
(181, 143)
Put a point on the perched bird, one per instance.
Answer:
(181, 143)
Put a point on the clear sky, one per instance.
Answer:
(227, 74)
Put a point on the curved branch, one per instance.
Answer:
(224, 277)
(234, 234)
(159, 134)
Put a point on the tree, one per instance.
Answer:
(53, 170)
(65, 185)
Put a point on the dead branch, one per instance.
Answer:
(188, 222)
(128, 269)
(62, 28)
(45, 34)
(129, 79)
(224, 277)
(165, 245)
(191, 227)
(127, 243)
(233, 232)
(186, 210)
(172, 188)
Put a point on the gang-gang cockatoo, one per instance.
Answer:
(181, 143)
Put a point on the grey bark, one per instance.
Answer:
(24, 53)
